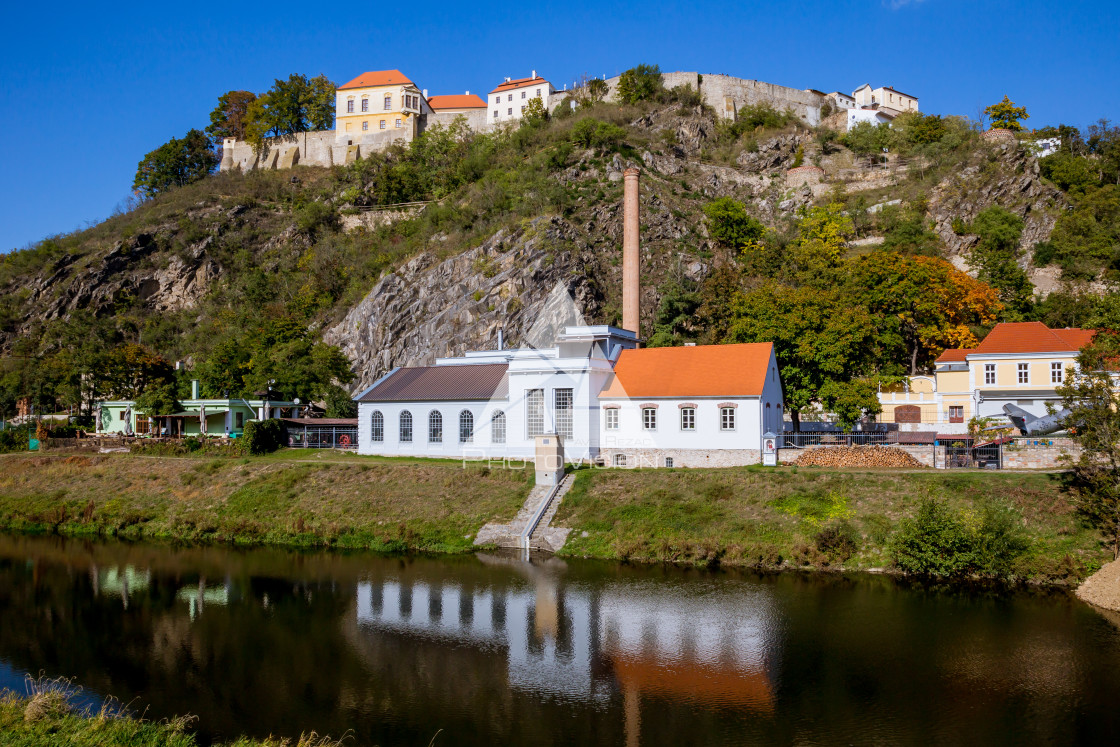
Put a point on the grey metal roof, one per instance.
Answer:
(441, 383)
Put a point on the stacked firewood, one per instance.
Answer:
(857, 456)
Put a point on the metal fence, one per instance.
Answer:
(323, 437)
(805, 439)
(989, 456)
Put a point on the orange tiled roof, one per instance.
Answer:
(457, 101)
(954, 355)
(699, 371)
(511, 84)
(377, 78)
(1033, 337)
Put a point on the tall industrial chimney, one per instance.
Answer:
(631, 288)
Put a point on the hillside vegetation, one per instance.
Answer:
(239, 275)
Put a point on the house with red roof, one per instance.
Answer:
(507, 102)
(378, 107)
(1018, 363)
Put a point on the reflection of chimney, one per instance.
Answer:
(630, 282)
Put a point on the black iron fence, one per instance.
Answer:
(323, 437)
(988, 456)
(806, 439)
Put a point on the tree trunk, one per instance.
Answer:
(795, 417)
(914, 361)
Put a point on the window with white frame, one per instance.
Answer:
(383, 124)
(509, 97)
(365, 125)
(534, 412)
(669, 462)
(466, 427)
(377, 427)
(498, 428)
(509, 112)
(649, 418)
(398, 124)
(524, 94)
(495, 114)
(620, 460)
(497, 99)
(435, 427)
(365, 104)
(350, 106)
(1024, 373)
(538, 93)
(388, 103)
(612, 419)
(562, 401)
(727, 418)
(406, 427)
(1056, 373)
(989, 373)
(688, 418)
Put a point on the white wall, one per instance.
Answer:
(631, 433)
(530, 90)
(855, 116)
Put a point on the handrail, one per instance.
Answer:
(525, 537)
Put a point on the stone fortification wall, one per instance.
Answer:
(323, 148)
(1039, 453)
(476, 119)
(727, 95)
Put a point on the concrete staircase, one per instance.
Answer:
(543, 537)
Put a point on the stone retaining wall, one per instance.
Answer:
(693, 458)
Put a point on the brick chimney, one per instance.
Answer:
(631, 287)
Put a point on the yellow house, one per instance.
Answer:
(1019, 364)
(384, 104)
(885, 97)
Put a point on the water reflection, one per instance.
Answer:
(490, 649)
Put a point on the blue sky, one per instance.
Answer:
(90, 88)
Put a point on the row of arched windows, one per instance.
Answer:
(435, 427)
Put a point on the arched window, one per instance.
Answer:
(498, 428)
(377, 427)
(406, 427)
(435, 427)
(466, 427)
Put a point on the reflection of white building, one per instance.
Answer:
(714, 643)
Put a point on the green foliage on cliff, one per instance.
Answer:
(176, 163)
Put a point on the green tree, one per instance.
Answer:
(866, 139)
(339, 403)
(1070, 173)
(1005, 115)
(603, 136)
(641, 83)
(1092, 396)
(818, 337)
(229, 117)
(995, 257)
(298, 104)
(177, 162)
(158, 399)
(850, 401)
(730, 225)
(535, 113)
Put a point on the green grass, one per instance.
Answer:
(49, 716)
(291, 499)
(771, 518)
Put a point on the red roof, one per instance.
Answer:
(1033, 337)
(692, 371)
(520, 82)
(456, 101)
(954, 355)
(377, 78)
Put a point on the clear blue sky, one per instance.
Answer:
(89, 89)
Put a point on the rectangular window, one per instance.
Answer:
(143, 425)
(383, 124)
(620, 460)
(669, 462)
(497, 99)
(562, 400)
(1024, 373)
(956, 413)
(350, 106)
(727, 418)
(509, 111)
(989, 373)
(538, 93)
(612, 419)
(649, 418)
(524, 94)
(495, 114)
(534, 412)
(688, 419)
(239, 420)
(388, 103)
(398, 124)
(365, 105)
(522, 110)
(1056, 373)
(365, 125)
(509, 97)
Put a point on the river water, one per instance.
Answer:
(489, 649)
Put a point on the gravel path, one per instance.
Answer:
(1103, 587)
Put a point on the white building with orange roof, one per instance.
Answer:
(508, 101)
(1018, 363)
(446, 108)
(378, 105)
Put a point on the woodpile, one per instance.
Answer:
(886, 457)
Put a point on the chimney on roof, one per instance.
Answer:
(630, 272)
(468, 93)
(508, 79)
(425, 92)
(534, 75)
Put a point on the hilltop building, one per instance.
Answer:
(507, 102)
(382, 102)
(1019, 363)
(446, 108)
(884, 97)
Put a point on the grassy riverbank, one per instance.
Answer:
(50, 717)
(294, 498)
(1021, 522)
(822, 518)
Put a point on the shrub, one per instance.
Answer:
(591, 133)
(314, 216)
(941, 542)
(641, 83)
(265, 436)
(838, 541)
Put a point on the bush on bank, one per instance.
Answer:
(940, 541)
